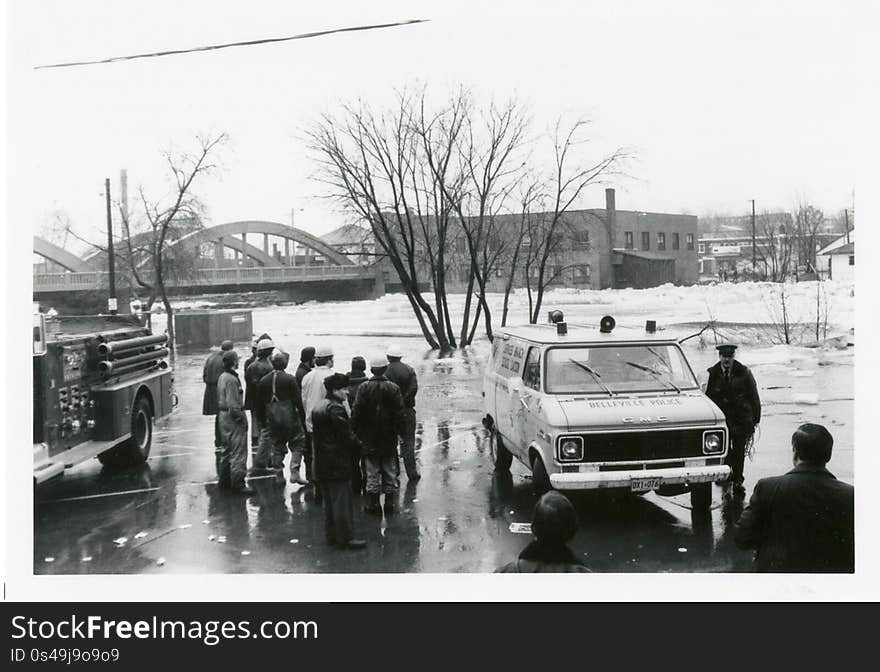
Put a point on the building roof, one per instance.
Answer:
(348, 234)
(839, 242)
(579, 334)
(849, 248)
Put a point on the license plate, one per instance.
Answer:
(644, 484)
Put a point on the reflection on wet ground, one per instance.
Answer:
(168, 516)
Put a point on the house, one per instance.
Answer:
(837, 260)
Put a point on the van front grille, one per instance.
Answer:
(643, 446)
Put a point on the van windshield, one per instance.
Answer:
(621, 368)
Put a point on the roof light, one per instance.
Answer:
(555, 316)
(606, 324)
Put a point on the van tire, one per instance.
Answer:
(701, 497)
(540, 479)
(502, 458)
(136, 449)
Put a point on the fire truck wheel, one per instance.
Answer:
(540, 479)
(137, 449)
(701, 497)
(502, 458)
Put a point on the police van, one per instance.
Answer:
(602, 408)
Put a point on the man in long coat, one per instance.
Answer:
(732, 387)
(210, 376)
(232, 455)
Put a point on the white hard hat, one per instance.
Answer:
(379, 362)
(395, 351)
(324, 351)
(265, 344)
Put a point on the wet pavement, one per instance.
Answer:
(168, 516)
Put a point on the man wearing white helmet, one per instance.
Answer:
(313, 393)
(404, 377)
(253, 373)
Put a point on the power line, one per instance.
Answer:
(247, 43)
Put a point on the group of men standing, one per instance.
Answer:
(346, 428)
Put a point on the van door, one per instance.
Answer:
(527, 400)
(509, 363)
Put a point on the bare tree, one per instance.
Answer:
(776, 252)
(520, 243)
(566, 186)
(147, 252)
(373, 166)
(808, 223)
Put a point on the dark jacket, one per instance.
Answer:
(210, 376)
(253, 374)
(377, 416)
(538, 558)
(802, 521)
(334, 445)
(405, 378)
(286, 389)
(737, 397)
(355, 378)
(301, 372)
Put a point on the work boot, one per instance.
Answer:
(372, 504)
(390, 503)
(354, 544)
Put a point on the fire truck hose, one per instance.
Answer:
(114, 369)
(116, 347)
(145, 357)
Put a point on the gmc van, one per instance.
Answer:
(588, 409)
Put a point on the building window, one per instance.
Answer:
(580, 240)
(701, 266)
(701, 248)
(628, 240)
(526, 241)
(690, 241)
(646, 240)
(675, 241)
(661, 241)
(581, 274)
(852, 260)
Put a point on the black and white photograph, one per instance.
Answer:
(459, 288)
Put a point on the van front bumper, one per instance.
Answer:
(595, 480)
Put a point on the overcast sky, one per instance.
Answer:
(723, 102)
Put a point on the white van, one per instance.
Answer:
(594, 408)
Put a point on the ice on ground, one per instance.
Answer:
(806, 398)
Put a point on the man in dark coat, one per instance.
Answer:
(377, 417)
(210, 376)
(356, 376)
(405, 378)
(253, 374)
(803, 521)
(306, 364)
(334, 446)
(554, 523)
(732, 387)
(232, 454)
(278, 397)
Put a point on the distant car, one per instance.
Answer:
(588, 409)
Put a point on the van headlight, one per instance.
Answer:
(713, 443)
(571, 448)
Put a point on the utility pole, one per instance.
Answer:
(111, 257)
(754, 248)
(846, 219)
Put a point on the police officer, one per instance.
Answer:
(404, 377)
(232, 455)
(210, 376)
(732, 387)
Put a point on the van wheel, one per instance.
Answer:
(502, 458)
(701, 497)
(540, 479)
(137, 449)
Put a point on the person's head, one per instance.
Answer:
(337, 386)
(254, 345)
(280, 360)
(726, 354)
(378, 365)
(324, 356)
(265, 348)
(226, 345)
(307, 356)
(554, 520)
(230, 360)
(394, 354)
(358, 365)
(811, 444)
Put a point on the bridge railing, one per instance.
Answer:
(210, 276)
